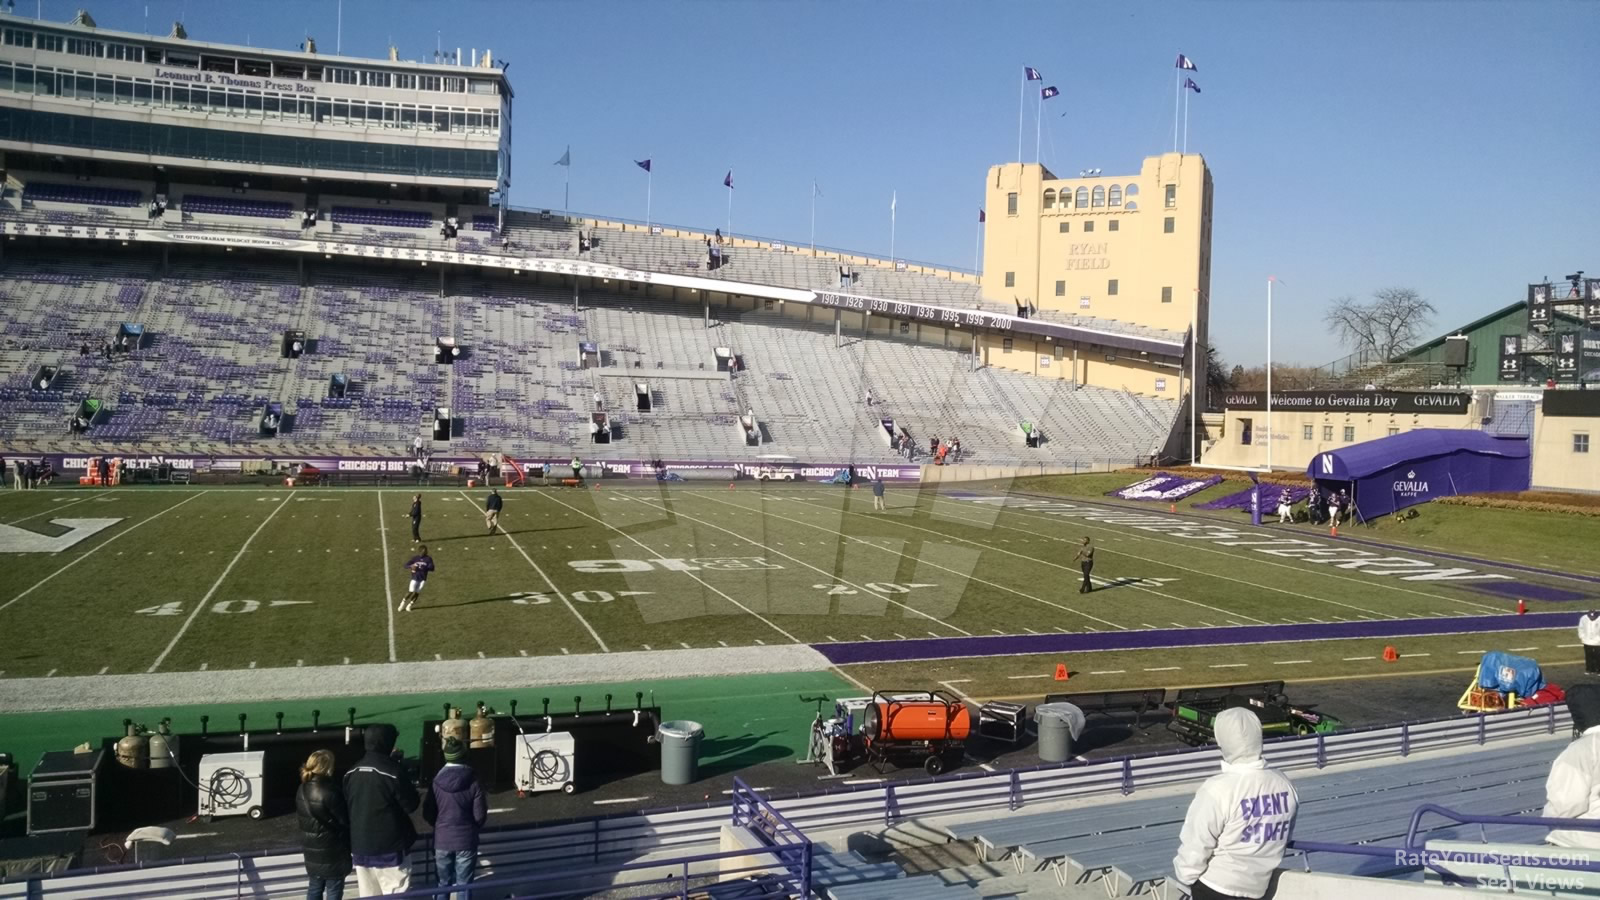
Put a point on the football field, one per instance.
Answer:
(187, 579)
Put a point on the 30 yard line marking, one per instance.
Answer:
(552, 585)
(925, 562)
(658, 555)
(824, 572)
(40, 583)
(388, 589)
(206, 600)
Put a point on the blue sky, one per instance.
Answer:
(1453, 147)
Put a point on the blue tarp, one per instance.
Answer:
(1509, 674)
(1414, 467)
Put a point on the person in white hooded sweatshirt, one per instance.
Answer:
(1573, 789)
(1239, 821)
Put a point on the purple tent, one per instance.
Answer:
(1269, 498)
(1414, 467)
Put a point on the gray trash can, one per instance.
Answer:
(680, 751)
(1054, 722)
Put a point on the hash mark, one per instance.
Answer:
(252, 664)
(522, 653)
(105, 669)
(50, 673)
(481, 656)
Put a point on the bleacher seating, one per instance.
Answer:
(237, 206)
(381, 217)
(88, 195)
(484, 223)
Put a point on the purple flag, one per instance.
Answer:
(1049, 92)
(1185, 63)
(643, 164)
(1189, 83)
(980, 215)
(728, 182)
(1032, 74)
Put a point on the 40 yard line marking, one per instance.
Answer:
(92, 550)
(552, 585)
(218, 583)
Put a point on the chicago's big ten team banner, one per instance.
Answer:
(1539, 304)
(1511, 357)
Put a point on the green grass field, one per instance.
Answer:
(192, 579)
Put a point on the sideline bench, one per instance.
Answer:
(1137, 702)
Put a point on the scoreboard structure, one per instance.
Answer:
(1562, 340)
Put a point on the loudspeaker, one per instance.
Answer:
(61, 792)
(1455, 351)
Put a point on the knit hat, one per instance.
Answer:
(454, 750)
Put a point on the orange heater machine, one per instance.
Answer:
(926, 728)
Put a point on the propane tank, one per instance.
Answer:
(133, 750)
(163, 748)
(482, 728)
(453, 727)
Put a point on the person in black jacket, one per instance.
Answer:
(324, 828)
(381, 799)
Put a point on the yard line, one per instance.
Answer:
(1228, 665)
(1149, 626)
(619, 800)
(1125, 531)
(703, 583)
(1020, 677)
(1566, 646)
(1422, 654)
(1513, 649)
(1046, 562)
(1477, 652)
(1110, 672)
(91, 550)
(557, 591)
(933, 565)
(388, 589)
(754, 542)
(49, 512)
(1164, 669)
(218, 583)
(1291, 662)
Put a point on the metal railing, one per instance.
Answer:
(560, 849)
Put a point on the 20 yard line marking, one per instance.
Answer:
(557, 591)
(96, 547)
(206, 600)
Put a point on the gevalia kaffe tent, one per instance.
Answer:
(1414, 467)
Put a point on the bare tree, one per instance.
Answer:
(1390, 324)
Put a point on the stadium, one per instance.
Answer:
(730, 566)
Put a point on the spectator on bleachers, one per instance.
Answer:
(1573, 789)
(381, 800)
(1240, 820)
(457, 808)
(324, 828)
(84, 350)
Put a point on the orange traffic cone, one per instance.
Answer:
(730, 485)
(1172, 507)
(1061, 671)
(1390, 654)
(1522, 607)
(1333, 530)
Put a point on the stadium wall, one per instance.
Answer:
(1336, 419)
(1564, 422)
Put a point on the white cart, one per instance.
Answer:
(545, 762)
(230, 784)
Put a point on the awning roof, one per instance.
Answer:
(1368, 457)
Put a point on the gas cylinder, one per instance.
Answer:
(163, 749)
(482, 728)
(133, 750)
(924, 717)
(453, 727)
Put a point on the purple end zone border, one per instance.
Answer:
(1009, 645)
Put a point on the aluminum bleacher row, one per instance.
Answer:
(382, 217)
(1108, 826)
(47, 192)
(212, 361)
(230, 206)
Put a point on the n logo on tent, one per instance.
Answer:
(1327, 463)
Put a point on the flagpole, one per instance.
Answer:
(977, 252)
(813, 217)
(649, 177)
(1270, 279)
(1185, 121)
(730, 206)
(1037, 119)
(893, 202)
(1177, 84)
(1022, 97)
(566, 193)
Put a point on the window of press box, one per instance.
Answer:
(1349, 433)
(1005, 345)
(1327, 432)
(1305, 432)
